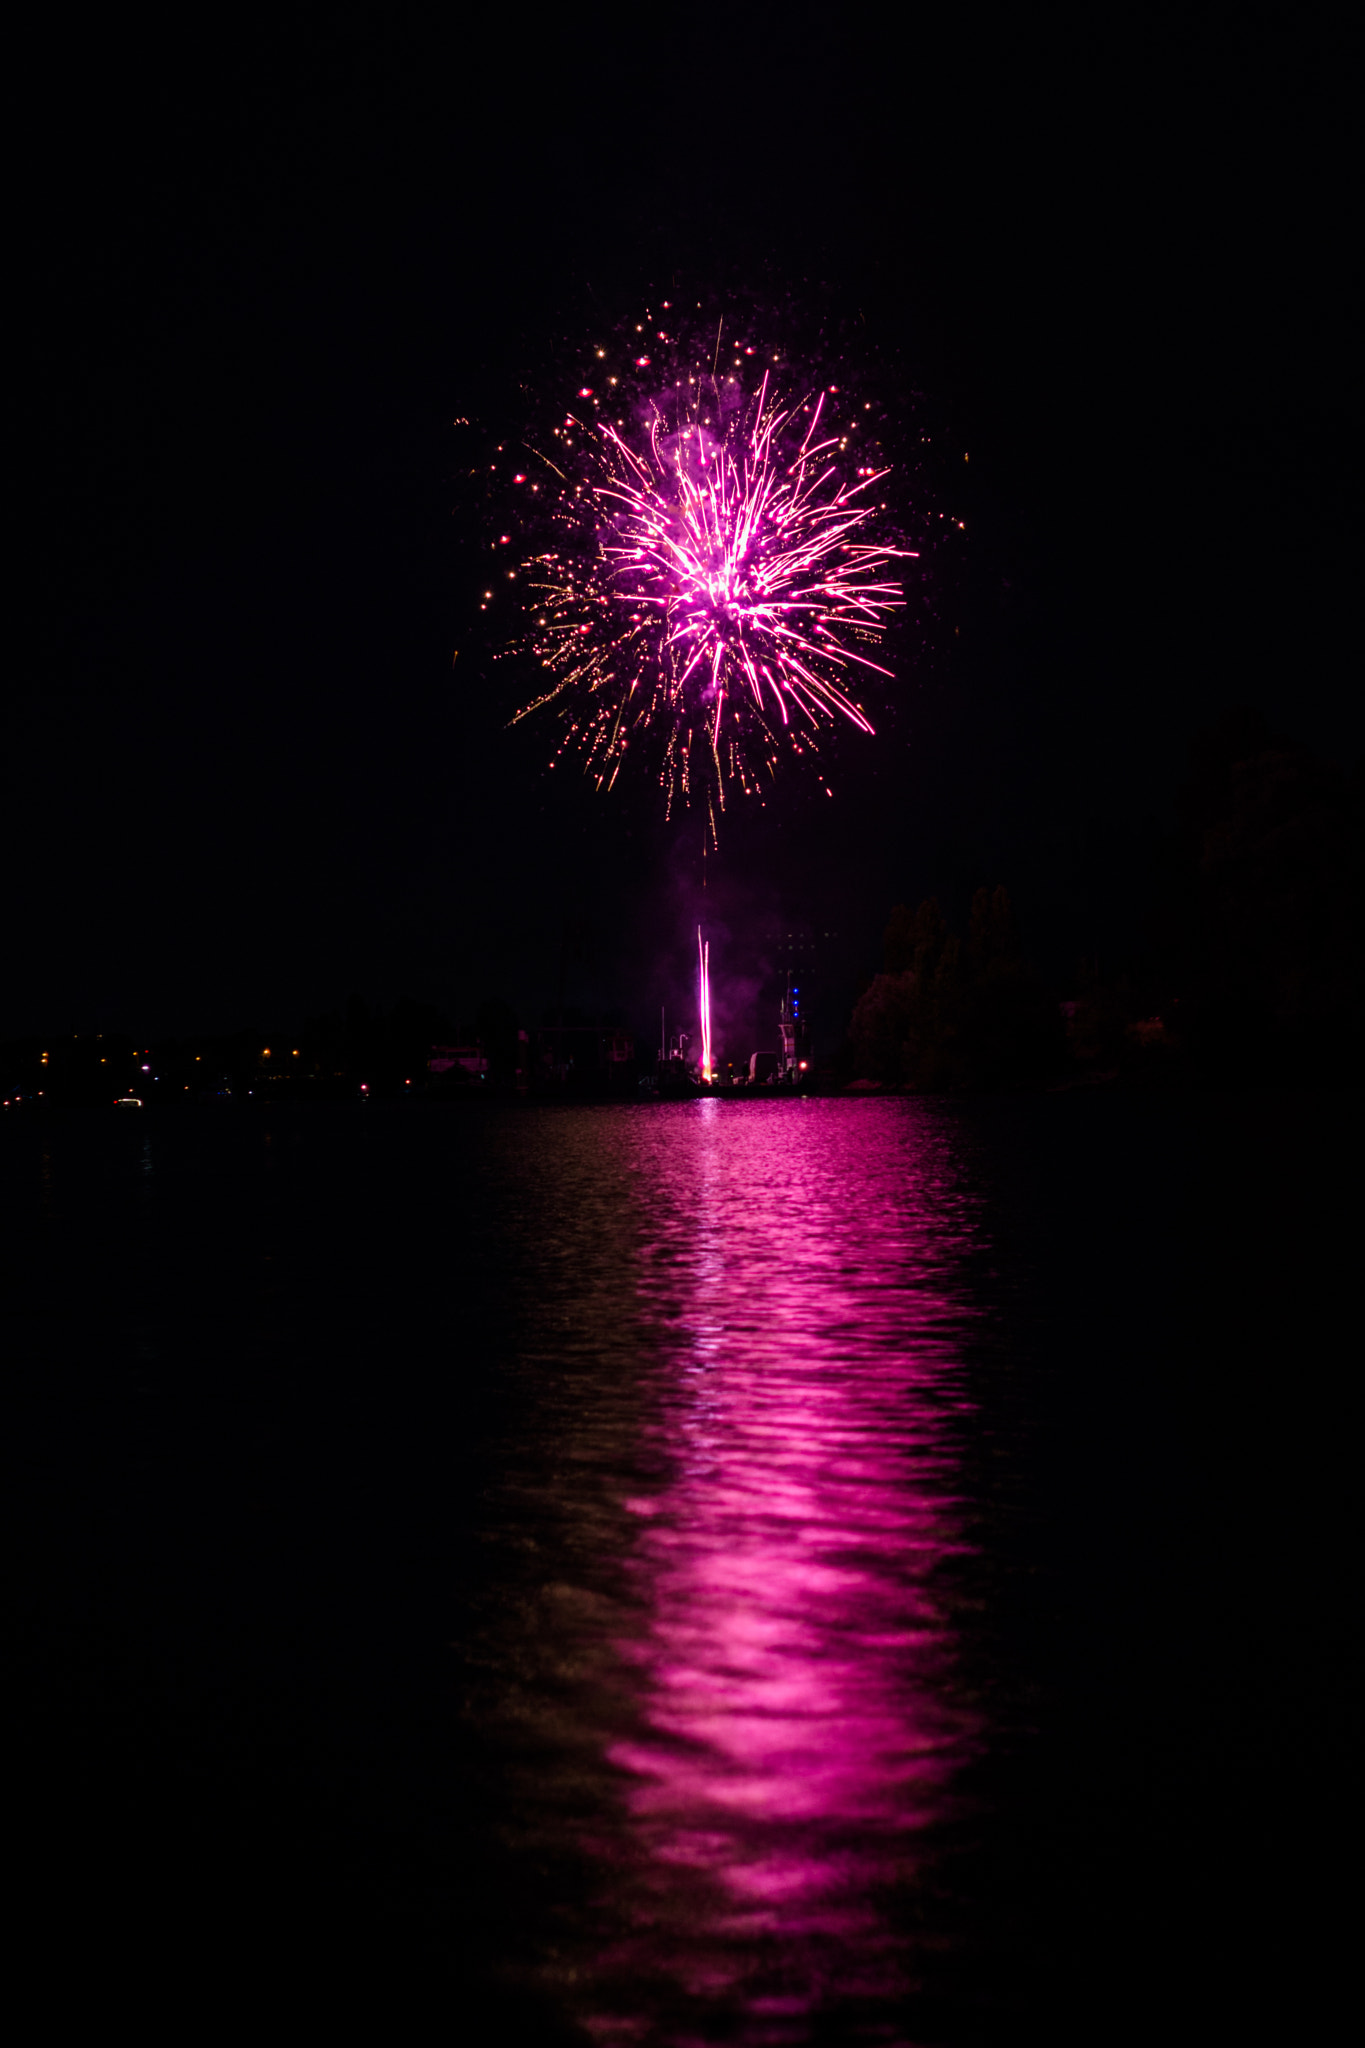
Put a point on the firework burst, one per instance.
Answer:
(713, 587)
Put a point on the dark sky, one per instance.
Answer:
(262, 270)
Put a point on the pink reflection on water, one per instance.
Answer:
(797, 1727)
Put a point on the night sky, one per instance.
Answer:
(261, 271)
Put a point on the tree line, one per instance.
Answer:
(1249, 965)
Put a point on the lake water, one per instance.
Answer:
(746, 1572)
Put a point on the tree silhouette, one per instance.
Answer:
(947, 1016)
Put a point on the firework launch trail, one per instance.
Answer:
(704, 1002)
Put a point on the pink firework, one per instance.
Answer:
(717, 585)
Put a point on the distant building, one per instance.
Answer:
(446, 1058)
(791, 950)
(590, 1056)
(791, 946)
(796, 1045)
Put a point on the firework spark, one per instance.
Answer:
(717, 586)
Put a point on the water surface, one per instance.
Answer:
(785, 1720)
(704, 1572)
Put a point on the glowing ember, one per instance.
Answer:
(716, 584)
